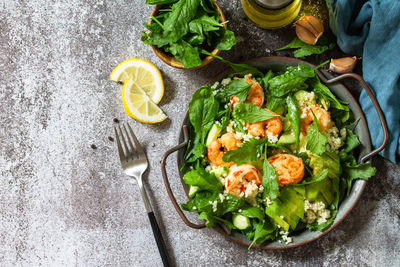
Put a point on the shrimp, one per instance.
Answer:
(323, 116)
(289, 169)
(243, 180)
(263, 128)
(217, 148)
(255, 95)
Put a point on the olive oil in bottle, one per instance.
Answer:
(271, 14)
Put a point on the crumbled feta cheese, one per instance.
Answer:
(226, 106)
(261, 189)
(343, 133)
(251, 190)
(239, 210)
(268, 201)
(221, 197)
(241, 194)
(218, 123)
(226, 81)
(194, 207)
(215, 85)
(285, 237)
(250, 77)
(315, 212)
(334, 142)
(306, 100)
(272, 138)
(214, 205)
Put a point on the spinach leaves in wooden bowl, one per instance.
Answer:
(180, 29)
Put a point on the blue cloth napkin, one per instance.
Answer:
(371, 29)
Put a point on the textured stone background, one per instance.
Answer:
(63, 203)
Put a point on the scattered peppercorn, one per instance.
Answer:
(111, 139)
(116, 120)
(93, 146)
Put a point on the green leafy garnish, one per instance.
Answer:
(269, 179)
(248, 152)
(249, 112)
(237, 88)
(304, 49)
(203, 180)
(294, 117)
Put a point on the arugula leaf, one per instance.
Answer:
(294, 117)
(249, 112)
(202, 111)
(269, 179)
(316, 141)
(177, 24)
(248, 152)
(264, 230)
(353, 171)
(202, 179)
(307, 49)
(351, 141)
(237, 88)
(185, 53)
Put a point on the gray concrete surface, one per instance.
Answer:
(63, 203)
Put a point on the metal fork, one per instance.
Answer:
(134, 163)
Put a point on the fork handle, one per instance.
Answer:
(159, 239)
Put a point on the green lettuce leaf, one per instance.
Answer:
(202, 179)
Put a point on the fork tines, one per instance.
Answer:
(130, 152)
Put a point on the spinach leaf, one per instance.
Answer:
(249, 112)
(351, 141)
(253, 212)
(238, 69)
(283, 84)
(225, 41)
(264, 81)
(237, 88)
(269, 179)
(316, 141)
(202, 111)
(177, 23)
(294, 117)
(202, 179)
(307, 49)
(208, 6)
(185, 53)
(248, 152)
(211, 220)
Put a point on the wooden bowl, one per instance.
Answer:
(170, 60)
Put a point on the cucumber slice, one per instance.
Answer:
(213, 133)
(287, 138)
(240, 222)
(193, 190)
(305, 98)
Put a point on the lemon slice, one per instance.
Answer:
(144, 74)
(138, 104)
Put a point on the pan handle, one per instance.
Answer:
(167, 185)
(374, 102)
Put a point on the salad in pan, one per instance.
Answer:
(270, 153)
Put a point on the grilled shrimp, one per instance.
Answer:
(323, 116)
(217, 148)
(263, 128)
(243, 180)
(255, 95)
(289, 169)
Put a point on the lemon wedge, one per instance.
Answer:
(144, 74)
(138, 104)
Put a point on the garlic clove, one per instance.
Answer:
(309, 29)
(343, 65)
